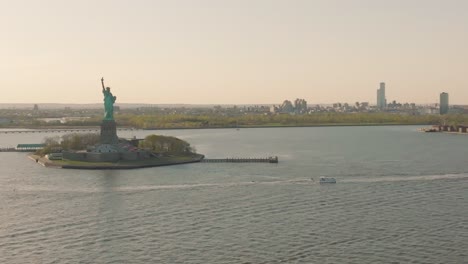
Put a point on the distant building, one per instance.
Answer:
(428, 110)
(287, 107)
(444, 103)
(381, 100)
(4, 121)
(274, 109)
(300, 106)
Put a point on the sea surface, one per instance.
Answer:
(401, 197)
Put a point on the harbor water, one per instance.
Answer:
(401, 197)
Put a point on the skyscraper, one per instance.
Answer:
(381, 100)
(444, 103)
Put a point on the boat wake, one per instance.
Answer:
(34, 189)
(212, 185)
(300, 181)
(407, 178)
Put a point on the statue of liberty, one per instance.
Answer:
(109, 101)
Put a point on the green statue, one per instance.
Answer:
(109, 101)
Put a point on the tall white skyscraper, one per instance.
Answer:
(381, 100)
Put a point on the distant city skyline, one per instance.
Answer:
(233, 51)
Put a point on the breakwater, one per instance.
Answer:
(8, 150)
(16, 150)
(243, 160)
(60, 130)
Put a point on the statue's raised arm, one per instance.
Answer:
(102, 82)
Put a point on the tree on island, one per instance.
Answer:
(166, 145)
(52, 144)
(73, 141)
(82, 141)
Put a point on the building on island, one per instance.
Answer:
(444, 103)
(381, 100)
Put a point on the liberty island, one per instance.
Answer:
(112, 152)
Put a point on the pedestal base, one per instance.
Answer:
(109, 132)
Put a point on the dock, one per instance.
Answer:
(242, 160)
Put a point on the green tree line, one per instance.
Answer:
(215, 120)
(207, 121)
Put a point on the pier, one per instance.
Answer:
(459, 129)
(243, 160)
(61, 130)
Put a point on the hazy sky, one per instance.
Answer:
(233, 51)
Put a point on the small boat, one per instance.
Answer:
(327, 180)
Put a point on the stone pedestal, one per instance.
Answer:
(109, 132)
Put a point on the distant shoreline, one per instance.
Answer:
(290, 126)
(224, 127)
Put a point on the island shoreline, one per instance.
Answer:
(155, 162)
